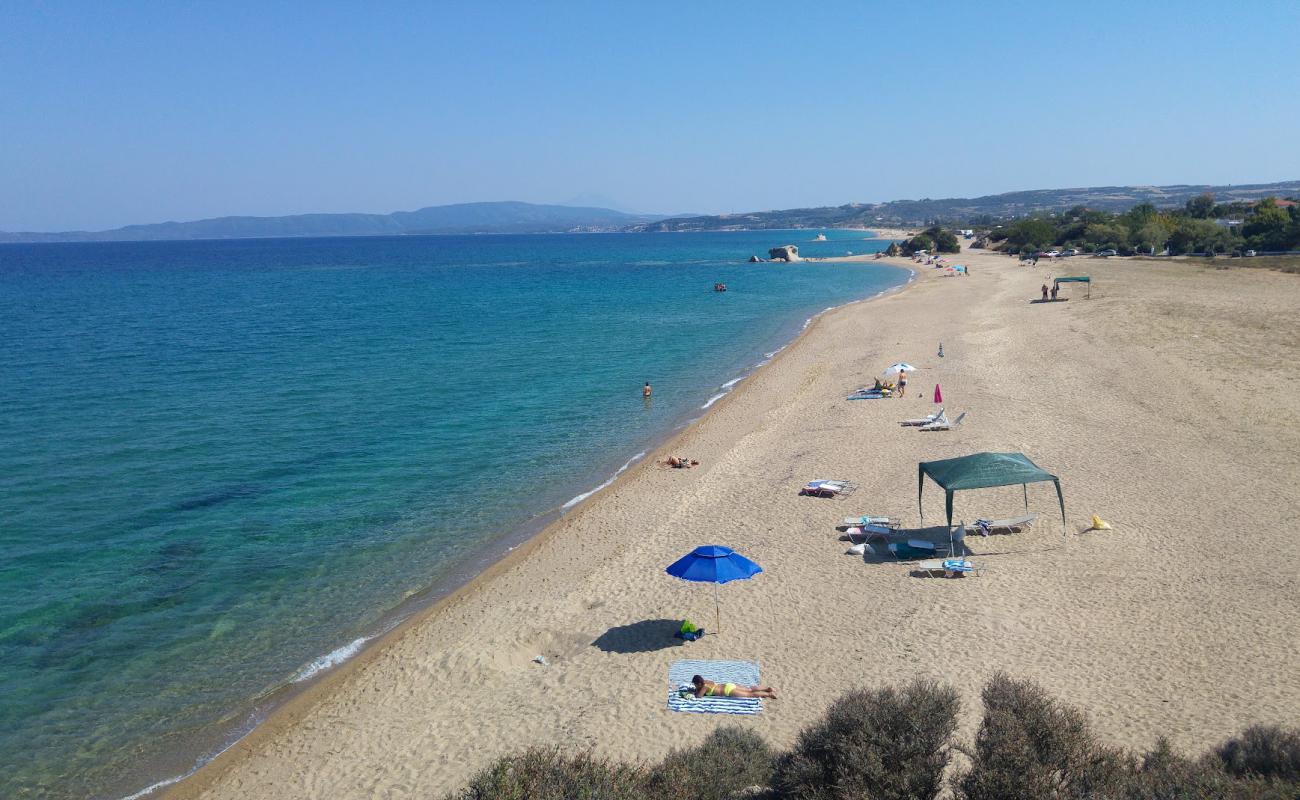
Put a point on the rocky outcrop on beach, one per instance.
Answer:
(786, 252)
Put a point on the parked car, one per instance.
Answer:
(1249, 254)
(1069, 252)
(1052, 253)
(1107, 253)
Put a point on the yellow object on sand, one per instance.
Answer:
(1099, 524)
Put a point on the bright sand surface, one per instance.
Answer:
(1168, 404)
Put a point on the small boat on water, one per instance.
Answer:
(719, 287)
(821, 237)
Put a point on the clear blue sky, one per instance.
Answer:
(116, 113)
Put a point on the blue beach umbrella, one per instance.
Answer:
(713, 564)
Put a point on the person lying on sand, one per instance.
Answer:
(681, 462)
(705, 688)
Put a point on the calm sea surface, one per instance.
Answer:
(223, 465)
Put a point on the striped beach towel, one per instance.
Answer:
(742, 673)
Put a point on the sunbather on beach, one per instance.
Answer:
(681, 462)
(705, 688)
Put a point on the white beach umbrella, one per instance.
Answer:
(901, 366)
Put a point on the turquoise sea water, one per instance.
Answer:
(223, 465)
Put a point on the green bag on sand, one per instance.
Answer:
(689, 627)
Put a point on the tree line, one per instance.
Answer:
(1200, 226)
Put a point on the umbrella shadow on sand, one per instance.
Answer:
(645, 636)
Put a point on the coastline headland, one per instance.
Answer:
(1121, 396)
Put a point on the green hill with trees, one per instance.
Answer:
(982, 211)
(1201, 225)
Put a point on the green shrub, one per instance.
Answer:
(1031, 746)
(880, 744)
(1268, 751)
(727, 763)
(548, 774)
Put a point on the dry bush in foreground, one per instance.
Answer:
(1265, 751)
(894, 743)
(880, 744)
(548, 774)
(1030, 745)
(728, 763)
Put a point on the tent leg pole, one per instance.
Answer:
(1025, 486)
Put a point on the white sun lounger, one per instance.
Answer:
(864, 532)
(943, 566)
(924, 421)
(867, 519)
(829, 488)
(942, 423)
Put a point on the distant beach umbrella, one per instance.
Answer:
(901, 366)
(938, 395)
(713, 564)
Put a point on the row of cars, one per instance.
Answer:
(1065, 253)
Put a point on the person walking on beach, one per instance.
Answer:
(646, 391)
(1044, 293)
(902, 382)
(1054, 288)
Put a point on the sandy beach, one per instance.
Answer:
(1166, 404)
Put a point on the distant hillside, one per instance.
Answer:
(997, 206)
(502, 217)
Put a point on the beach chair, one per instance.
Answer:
(948, 566)
(923, 421)
(828, 489)
(987, 526)
(865, 532)
(867, 519)
(942, 423)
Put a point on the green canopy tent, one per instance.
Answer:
(1076, 279)
(982, 471)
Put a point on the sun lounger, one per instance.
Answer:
(987, 526)
(742, 673)
(942, 423)
(855, 532)
(948, 566)
(867, 519)
(923, 421)
(831, 488)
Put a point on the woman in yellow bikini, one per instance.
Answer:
(705, 688)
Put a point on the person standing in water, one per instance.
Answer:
(646, 391)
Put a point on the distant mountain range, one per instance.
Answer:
(902, 213)
(514, 217)
(501, 217)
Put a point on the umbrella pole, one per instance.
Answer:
(717, 610)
